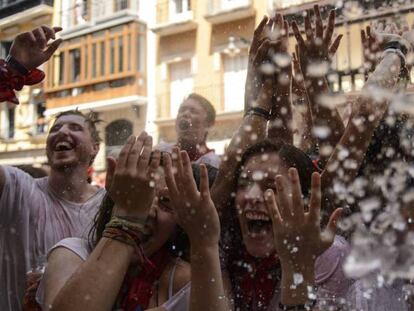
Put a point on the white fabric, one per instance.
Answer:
(33, 219)
(210, 158)
(178, 302)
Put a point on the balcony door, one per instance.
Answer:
(181, 84)
(235, 70)
(180, 9)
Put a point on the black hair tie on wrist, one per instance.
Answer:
(14, 64)
(396, 45)
(258, 112)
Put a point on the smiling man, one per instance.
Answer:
(37, 213)
(195, 117)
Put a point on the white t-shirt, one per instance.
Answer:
(210, 158)
(179, 301)
(32, 220)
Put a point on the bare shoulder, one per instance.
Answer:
(182, 275)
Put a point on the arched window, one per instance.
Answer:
(116, 134)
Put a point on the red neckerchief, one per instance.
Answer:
(141, 287)
(194, 153)
(10, 81)
(259, 283)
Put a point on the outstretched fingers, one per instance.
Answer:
(297, 201)
(298, 36)
(186, 178)
(124, 154)
(315, 199)
(330, 28)
(273, 209)
(318, 22)
(169, 177)
(204, 184)
(335, 45)
(328, 234)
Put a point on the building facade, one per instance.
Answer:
(134, 61)
(202, 47)
(23, 128)
(101, 66)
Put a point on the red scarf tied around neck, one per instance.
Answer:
(259, 281)
(141, 287)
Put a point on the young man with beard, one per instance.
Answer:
(37, 213)
(195, 117)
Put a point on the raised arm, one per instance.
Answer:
(251, 130)
(94, 284)
(280, 123)
(307, 142)
(198, 217)
(30, 50)
(315, 59)
(370, 108)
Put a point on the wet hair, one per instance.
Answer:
(178, 245)
(91, 118)
(207, 105)
(232, 247)
(289, 154)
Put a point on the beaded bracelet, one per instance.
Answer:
(127, 232)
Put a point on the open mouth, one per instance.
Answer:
(63, 146)
(184, 125)
(258, 223)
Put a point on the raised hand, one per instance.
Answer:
(297, 232)
(31, 49)
(196, 212)
(318, 46)
(270, 38)
(130, 180)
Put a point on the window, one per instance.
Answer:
(179, 9)
(10, 115)
(102, 52)
(112, 56)
(120, 54)
(235, 70)
(80, 12)
(75, 65)
(181, 84)
(74, 12)
(94, 55)
(141, 53)
(5, 48)
(121, 5)
(40, 126)
(61, 68)
(230, 4)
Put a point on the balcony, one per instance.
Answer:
(15, 12)
(223, 11)
(174, 16)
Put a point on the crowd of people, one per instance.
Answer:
(322, 224)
